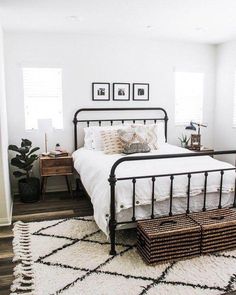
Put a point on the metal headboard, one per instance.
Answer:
(99, 121)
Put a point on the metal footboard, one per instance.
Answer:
(113, 180)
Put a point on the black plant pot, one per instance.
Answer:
(29, 189)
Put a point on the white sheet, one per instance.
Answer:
(94, 168)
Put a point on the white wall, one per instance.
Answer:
(224, 133)
(226, 68)
(87, 59)
(5, 194)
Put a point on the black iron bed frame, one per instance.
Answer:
(113, 179)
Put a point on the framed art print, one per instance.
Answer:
(121, 91)
(141, 91)
(100, 91)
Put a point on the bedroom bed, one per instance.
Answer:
(166, 181)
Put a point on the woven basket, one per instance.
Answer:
(168, 239)
(218, 229)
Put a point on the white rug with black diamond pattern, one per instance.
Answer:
(70, 256)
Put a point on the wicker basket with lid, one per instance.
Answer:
(168, 239)
(218, 229)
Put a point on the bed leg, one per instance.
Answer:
(79, 191)
(112, 228)
(112, 222)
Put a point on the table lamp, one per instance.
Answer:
(195, 138)
(45, 125)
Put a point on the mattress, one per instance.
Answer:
(94, 169)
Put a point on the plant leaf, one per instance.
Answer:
(20, 157)
(24, 150)
(17, 163)
(30, 160)
(28, 168)
(33, 150)
(13, 147)
(25, 142)
(18, 174)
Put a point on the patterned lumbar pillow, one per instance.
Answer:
(133, 142)
(136, 147)
(111, 142)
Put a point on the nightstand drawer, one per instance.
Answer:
(57, 162)
(60, 170)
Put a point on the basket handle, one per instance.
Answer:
(168, 222)
(217, 217)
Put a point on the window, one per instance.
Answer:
(234, 108)
(189, 91)
(42, 96)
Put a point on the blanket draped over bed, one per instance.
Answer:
(94, 168)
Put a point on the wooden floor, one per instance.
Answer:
(55, 206)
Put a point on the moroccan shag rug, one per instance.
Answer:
(70, 256)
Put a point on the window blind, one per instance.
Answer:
(42, 96)
(189, 92)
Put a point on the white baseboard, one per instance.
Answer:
(7, 221)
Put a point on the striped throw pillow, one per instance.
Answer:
(111, 142)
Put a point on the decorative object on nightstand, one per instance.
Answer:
(55, 166)
(195, 138)
(29, 187)
(45, 125)
(184, 140)
(58, 147)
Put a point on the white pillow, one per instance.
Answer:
(93, 138)
(88, 138)
(161, 139)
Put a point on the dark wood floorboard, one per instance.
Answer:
(54, 206)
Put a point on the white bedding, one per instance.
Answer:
(94, 169)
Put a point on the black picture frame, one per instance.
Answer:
(141, 97)
(116, 96)
(95, 96)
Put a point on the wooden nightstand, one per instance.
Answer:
(55, 167)
(203, 149)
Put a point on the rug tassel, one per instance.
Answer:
(23, 283)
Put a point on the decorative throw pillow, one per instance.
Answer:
(97, 142)
(133, 142)
(148, 133)
(136, 147)
(111, 142)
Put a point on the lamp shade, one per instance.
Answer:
(45, 125)
(191, 127)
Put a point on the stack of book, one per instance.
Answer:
(58, 154)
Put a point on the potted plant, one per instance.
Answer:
(29, 187)
(184, 140)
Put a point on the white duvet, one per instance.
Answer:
(94, 169)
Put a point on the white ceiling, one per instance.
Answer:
(205, 21)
